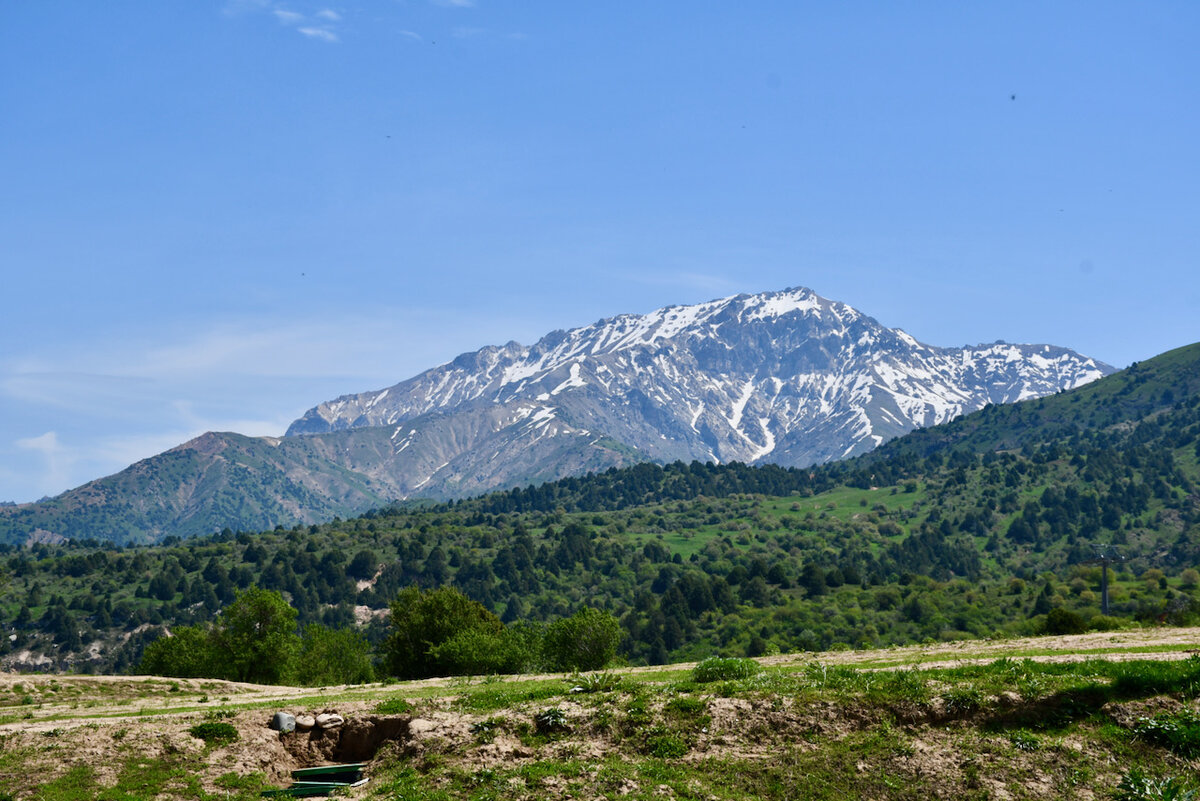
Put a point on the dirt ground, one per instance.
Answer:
(60, 720)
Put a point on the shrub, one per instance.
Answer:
(717, 668)
(594, 682)
(1104, 623)
(551, 721)
(1189, 579)
(962, 701)
(334, 656)
(585, 641)
(1136, 786)
(1063, 621)
(1178, 732)
(185, 653)
(214, 733)
(393, 706)
(440, 632)
(480, 651)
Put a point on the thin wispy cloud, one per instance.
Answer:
(454, 3)
(468, 32)
(319, 25)
(46, 444)
(56, 460)
(70, 389)
(416, 37)
(323, 34)
(235, 7)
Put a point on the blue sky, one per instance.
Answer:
(214, 215)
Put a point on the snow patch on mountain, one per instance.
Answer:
(788, 377)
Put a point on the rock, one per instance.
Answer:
(419, 726)
(329, 720)
(283, 722)
(305, 722)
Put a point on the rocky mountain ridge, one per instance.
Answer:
(786, 377)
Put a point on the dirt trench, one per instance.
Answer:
(356, 740)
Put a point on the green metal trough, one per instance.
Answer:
(322, 780)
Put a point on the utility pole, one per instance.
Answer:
(1105, 555)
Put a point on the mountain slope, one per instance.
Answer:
(1140, 392)
(227, 480)
(788, 378)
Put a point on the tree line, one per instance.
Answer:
(437, 632)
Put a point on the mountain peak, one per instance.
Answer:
(787, 376)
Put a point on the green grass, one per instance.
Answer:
(145, 778)
(393, 706)
(489, 697)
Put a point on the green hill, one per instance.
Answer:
(1096, 411)
(940, 536)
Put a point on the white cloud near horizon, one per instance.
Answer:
(47, 444)
(73, 415)
(55, 459)
(118, 397)
(60, 463)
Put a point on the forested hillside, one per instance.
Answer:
(980, 527)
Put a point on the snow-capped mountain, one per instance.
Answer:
(786, 377)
